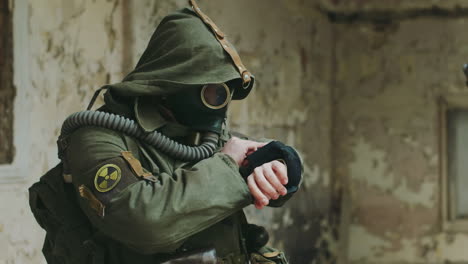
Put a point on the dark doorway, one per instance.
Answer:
(7, 89)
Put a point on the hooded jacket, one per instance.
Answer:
(182, 54)
(145, 206)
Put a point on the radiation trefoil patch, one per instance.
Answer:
(107, 177)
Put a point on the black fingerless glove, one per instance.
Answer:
(276, 150)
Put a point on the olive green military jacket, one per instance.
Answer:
(145, 206)
(185, 205)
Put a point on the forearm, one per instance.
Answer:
(157, 217)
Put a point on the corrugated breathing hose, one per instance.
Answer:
(130, 128)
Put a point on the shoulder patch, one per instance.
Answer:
(107, 177)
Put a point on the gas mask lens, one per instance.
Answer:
(215, 96)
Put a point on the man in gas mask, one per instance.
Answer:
(178, 185)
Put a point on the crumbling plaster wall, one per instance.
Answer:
(77, 46)
(386, 157)
(74, 47)
(357, 99)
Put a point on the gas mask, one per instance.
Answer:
(203, 109)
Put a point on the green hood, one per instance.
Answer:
(183, 53)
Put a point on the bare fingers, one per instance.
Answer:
(267, 182)
(253, 146)
(280, 171)
(260, 199)
(274, 180)
(263, 183)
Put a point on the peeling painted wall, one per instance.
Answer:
(357, 98)
(77, 46)
(388, 78)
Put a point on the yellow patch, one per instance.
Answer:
(107, 177)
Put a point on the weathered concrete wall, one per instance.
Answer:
(358, 100)
(76, 46)
(388, 78)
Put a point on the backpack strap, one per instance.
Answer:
(95, 96)
(62, 145)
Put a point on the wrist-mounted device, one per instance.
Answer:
(276, 150)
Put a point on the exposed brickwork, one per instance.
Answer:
(7, 90)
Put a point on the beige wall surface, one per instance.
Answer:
(74, 47)
(388, 80)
